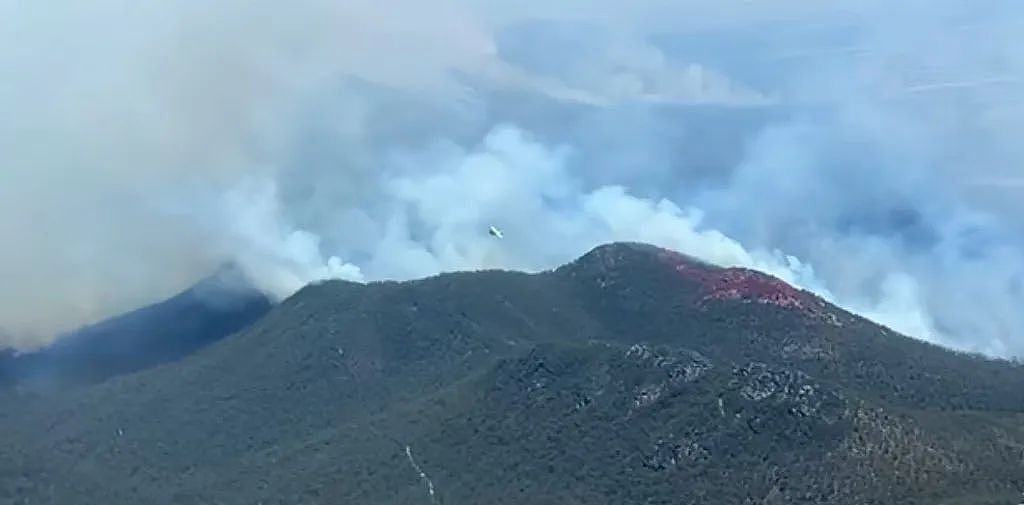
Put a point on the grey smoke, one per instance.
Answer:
(863, 150)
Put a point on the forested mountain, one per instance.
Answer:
(631, 375)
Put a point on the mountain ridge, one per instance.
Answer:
(607, 380)
(213, 308)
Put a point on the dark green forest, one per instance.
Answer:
(611, 380)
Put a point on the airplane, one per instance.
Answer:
(495, 232)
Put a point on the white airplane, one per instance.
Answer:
(495, 232)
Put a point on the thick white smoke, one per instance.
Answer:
(436, 220)
(857, 149)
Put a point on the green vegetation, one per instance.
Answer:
(602, 382)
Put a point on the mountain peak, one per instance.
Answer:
(617, 254)
(712, 282)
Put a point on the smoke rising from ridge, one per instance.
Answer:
(861, 150)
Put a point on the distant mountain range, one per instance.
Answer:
(631, 375)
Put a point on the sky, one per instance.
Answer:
(863, 150)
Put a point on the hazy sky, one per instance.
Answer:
(862, 149)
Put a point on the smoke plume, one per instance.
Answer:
(862, 150)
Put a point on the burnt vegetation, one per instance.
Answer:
(632, 375)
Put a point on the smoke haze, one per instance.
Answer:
(862, 150)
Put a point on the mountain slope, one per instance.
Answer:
(632, 375)
(163, 332)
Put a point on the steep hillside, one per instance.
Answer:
(632, 375)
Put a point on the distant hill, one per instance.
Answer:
(166, 331)
(632, 375)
